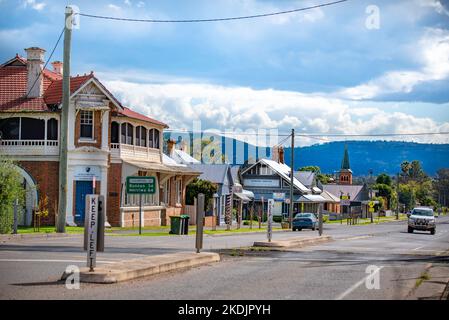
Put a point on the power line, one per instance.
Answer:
(374, 134)
(211, 19)
(40, 73)
(310, 135)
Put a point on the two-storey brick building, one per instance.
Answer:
(106, 143)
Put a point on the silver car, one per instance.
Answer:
(422, 219)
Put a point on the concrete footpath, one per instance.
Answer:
(292, 242)
(143, 267)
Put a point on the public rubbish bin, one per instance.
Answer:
(184, 224)
(175, 225)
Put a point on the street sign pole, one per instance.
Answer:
(92, 232)
(140, 213)
(140, 185)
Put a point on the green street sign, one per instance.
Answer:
(140, 185)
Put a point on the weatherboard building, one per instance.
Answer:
(106, 143)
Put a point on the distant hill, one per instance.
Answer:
(379, 156)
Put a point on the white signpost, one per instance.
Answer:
(270, 219)
(92, 228)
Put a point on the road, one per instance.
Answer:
(30, 269)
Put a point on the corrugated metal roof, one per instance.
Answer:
(215, 173)
(354, 191)
(284, 170)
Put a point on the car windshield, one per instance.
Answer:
(423, 212)
(304, 215)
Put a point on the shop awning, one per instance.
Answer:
(159, 167)
(311, 198)
(242, 196)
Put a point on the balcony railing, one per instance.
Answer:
(127, 151)
(29, 147)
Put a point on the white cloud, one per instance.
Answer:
(114, 7)
(219, 107)
(433, 54)
(437, 5)
(34, 4)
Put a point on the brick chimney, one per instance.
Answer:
(281, 155)
(35, 64)
(171, 147)
(57, 67)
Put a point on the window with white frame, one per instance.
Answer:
(153, 138)
(167, 192)
(178, 191)
(86, 124)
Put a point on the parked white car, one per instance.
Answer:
(422, 219)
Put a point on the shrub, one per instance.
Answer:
(10, 190)
(277, 219)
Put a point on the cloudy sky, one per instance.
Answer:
(335, 69)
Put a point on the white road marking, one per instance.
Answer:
(50, 260)
(356, 285)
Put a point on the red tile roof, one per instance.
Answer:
(53, 94)
(135, 115)
(13, 84)
(13, 90)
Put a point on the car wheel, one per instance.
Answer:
(313, 228)
(299, 229)
(410, 230)
(294, 229)
(432, 231)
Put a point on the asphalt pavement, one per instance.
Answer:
(30, 269)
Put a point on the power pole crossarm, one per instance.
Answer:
(61, 221)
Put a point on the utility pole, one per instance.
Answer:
(397, 190)
(64, 121)
(292, 170)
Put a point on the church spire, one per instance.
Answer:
(345, 171)
(345, 162)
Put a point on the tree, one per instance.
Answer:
(10, 190)
(315, 169)
(198, 186)
(384, 179)
(441, 185)
(405, 168)
(406, 196)
(416, 171)
(386, 191)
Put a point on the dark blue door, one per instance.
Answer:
(82, 188)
